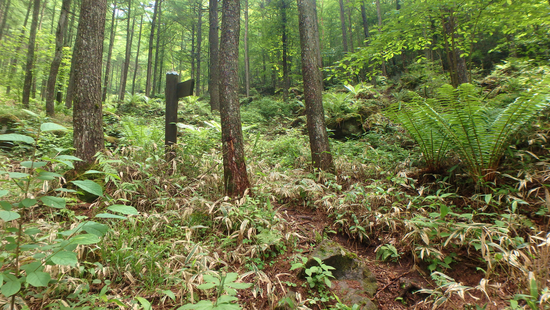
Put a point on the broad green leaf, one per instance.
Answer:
(38, 278)
(1, 279)
(223, 306)
(3, 192)
(231, 277)
(67, 157)
(94, 172)
(65, 190)
(444, 211)
(144, 303)
(170, 294)
(206, 286)
(6, 205)
(85, 239)
(32, 231)
(31, 113)
(110, 216)
(201, 305)
(54, 202)
(210, 278)
(16, 138)
(225, 299)
(239, 286)
(65, 258)
(27, 202)
(128, 210)
(18, 175)
(7, 216)
(90, 187)
(33, 164)
(47, 176)
(10, 288)
(95, 228)
(51, 127)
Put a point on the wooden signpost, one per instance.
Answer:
(174, 91)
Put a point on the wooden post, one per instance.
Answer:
(174, 90)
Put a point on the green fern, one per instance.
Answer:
(459, 119)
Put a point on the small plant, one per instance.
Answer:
(316, 275)
(224, 284)
(387, 251)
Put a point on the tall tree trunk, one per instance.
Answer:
(343, 25)
(87, 115)
(148, 82)
(246, 56)
(234, 165)
(199, 42)
(286, 78)
(313, 87)
(136, 65)
(109, 53)
(54, 69)
(157, 48)
(457, 64)
(214, 86)
(379, 14)
(13, 61)
(193, 56)
(128, 55)
(161, 66)
(4, 18)
(70, 88)
(69, 36)
(350, 24)
(30, 55)
(365, 23)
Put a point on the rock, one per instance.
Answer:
(8, 122)
(352, 279)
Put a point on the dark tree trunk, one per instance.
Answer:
(343, 25)
(457, 64)
(13, 61)
(286, 79)
(30, 55)
(148, 82)
(157, 49)
(365, 23)
(69, 37)
(246, 56)
(379, 14)
(136, 65)
(87, 115)
(234, 165)
(350, 24)
(4, 18)
(193, 51)
(318, 137)
(199, 42)
(129, 38)
(213, 39)
(109, 53)
(54, 69)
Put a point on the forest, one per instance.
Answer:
(275, 154)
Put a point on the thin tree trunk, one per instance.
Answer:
(129, 38)
(379, 14)
(69, 36)
(137, 57)
(214, 87)
(157, 48)
(193, 56)
(246, 56)
(109, 53)
(87, 115)
(343, 24)
(199, 42)
(313, 87)
(150, 54)
(161, 66)
(286, 79)
(4, 18)
(54, 69)
(235, 174)
(350, 28)
(365, 23)
(30, 55)
(13, 62)
(70, 88)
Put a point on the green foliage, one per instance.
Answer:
(28, 249)
(317, 275)
(387, 251)
(225, 291)
(459, 120)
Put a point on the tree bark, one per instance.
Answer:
(148, 82)
(13, 61)
(343, 25)
(199, 42)
(157, 50)
(246, 56)
(313, 87)
(136, 65)
(54, 69)
(128, 55)
(4, 18)
(286, 78)
(235, 174)
(109, 53)
(30, 55)
(213, 39)
(379, 14)
(87, 115)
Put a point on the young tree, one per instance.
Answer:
(234, 165)
(109, 53)
(54, 69)
(148, 82)
(199, 43)
(87, 115)
(30, 55)
(136, 65)
(246, 55)
(131, 22)
(343, 26)
(214, 87)
(313, 87)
